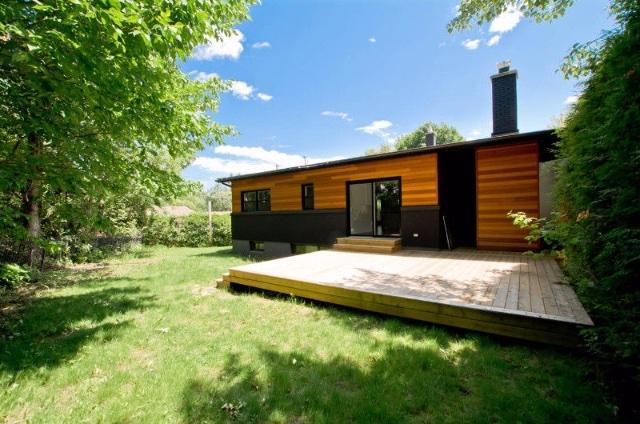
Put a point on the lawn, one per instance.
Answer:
(147, 338)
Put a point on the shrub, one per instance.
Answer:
(189, 231)
(13, 275)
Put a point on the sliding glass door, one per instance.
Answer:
(361, 209)
(374, 208)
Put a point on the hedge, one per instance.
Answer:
(188, 231)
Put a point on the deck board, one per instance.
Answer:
(497, 292)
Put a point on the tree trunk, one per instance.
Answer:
(31, 207)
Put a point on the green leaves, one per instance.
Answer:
(98, 83)
(478, 12)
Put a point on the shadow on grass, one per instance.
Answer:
(49, 330)
(301, 388)
(222, 253)
(399, 383)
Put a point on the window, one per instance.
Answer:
(257, 200)
(256, 246)
(307, 196)
(298, 249)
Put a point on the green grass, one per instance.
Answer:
(146, 339)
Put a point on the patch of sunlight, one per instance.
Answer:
(454, 351)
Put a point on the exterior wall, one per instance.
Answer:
(420, 226)
(313, 227)
(506, 180)
(418, 174)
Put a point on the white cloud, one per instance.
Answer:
(493, 40)
(241, 90)
(470, 44)
(571, 100)
(202, 76)
(342, 115)
(261, 45)
(378, 129)
(372, 40)
(228, 46)
(253, 159)
(264, 97)
(506, 21)
(231, 166)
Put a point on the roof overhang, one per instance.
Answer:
(546, 138)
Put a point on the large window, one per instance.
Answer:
(257, 200)
(307, 196)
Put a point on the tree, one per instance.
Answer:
(445, 134)
(220, 197)
(476, 12)
(92, 99)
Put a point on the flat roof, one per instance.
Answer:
(545, 135)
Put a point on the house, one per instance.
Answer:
(437, 196)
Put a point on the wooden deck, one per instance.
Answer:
(501, 293)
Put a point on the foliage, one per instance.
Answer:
(472, 13)
(71, 225)
(188, 231)
(538, 229)
(220, 197)
(12, 276)
(598, 196)
(445, 134)
(92, 100)
(148, 336)
(383, 148)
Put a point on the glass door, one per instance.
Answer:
(387, 203)
(361, 209)
(374, 208)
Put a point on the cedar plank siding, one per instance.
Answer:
(418, 173)
(506, 179)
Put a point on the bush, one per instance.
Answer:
(12, 276)
(189, 231)
(598, 200)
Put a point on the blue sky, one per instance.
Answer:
(318, 80)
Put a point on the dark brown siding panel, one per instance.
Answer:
(419, 174)
(506, 180)
(312, 227)
(420, 226)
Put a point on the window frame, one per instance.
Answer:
(306, 207)
(258, 204)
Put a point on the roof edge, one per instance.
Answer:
(499, 139)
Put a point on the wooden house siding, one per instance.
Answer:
(506, 179)
(418, 174)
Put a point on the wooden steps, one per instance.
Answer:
(368, 244)
(224, 281)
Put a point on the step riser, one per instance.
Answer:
(369, 242)
(366, 248)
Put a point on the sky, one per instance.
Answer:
(323, 80)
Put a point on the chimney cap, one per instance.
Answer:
(503, 66)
